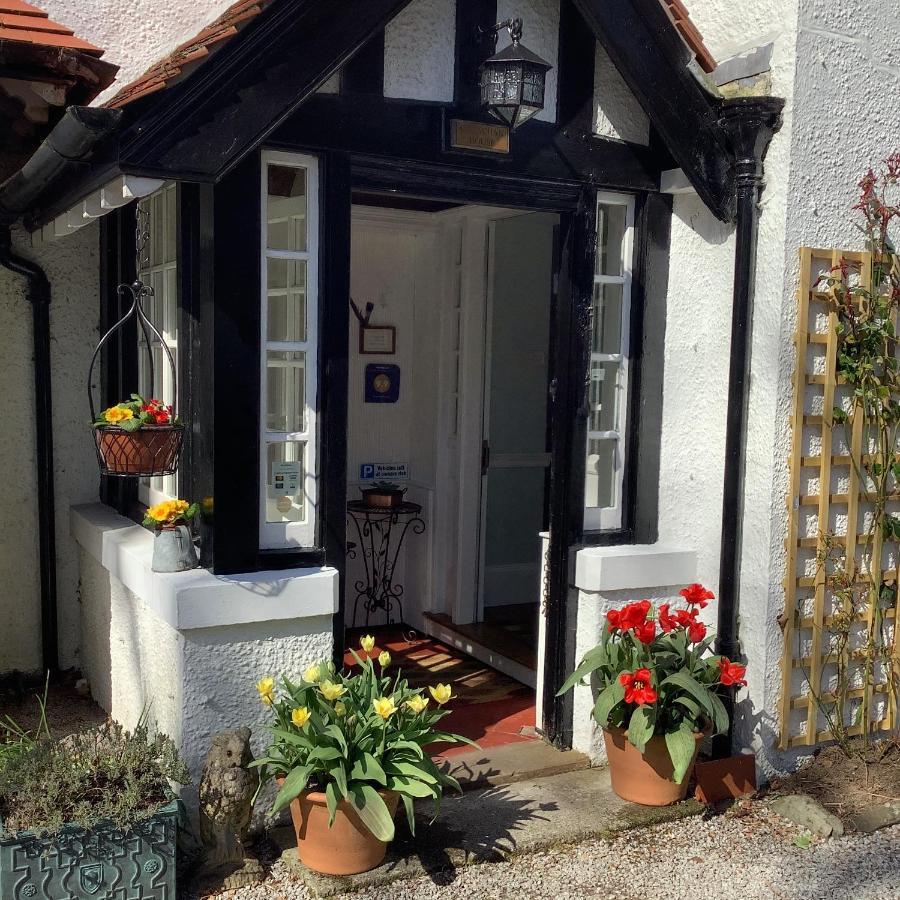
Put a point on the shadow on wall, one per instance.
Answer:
(691, 211)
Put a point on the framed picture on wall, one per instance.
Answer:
(378, 340)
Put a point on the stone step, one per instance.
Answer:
(491, 824)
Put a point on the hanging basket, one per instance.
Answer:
(149, 451)
(152, 449)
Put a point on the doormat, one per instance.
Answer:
(488, 706)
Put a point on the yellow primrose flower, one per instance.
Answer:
(339, 709)
(367, 643)
(266, 689)
(159, 512)
(441, 693)
(385, 707)
(312, 674)
(331, 691)
(300, 716)
(384, 659)
(116, 414)
(417, 703)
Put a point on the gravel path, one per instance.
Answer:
(751, 856)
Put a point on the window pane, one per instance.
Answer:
(610, 235)
(286, 390)
(600, 473)
(157, 224)
(171, 231)
(607, 337)
(603, 396)
(286, 208)
(171, 305)
(287, 300)
(285, 476)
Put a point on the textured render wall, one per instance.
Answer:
(72, 265)
(697, 349)
(617, 112)
(419, 51)
(137, 33)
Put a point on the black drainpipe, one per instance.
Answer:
(750, 123)
(71, 140)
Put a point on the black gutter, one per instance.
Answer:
(72, 139)
(750, 123)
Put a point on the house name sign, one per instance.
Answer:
(479, 136)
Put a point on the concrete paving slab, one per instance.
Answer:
(489, 825)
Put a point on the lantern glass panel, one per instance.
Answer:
(533, 86)
(513, 83)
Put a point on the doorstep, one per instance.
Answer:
(493, 824)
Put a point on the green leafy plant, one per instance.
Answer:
(15, 740)
(136, 413)
(385, 487)
(103, 774)
(652, 674)
(355, 735)
(865, 299)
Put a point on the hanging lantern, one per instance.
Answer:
(512, 81)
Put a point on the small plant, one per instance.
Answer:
(355, 736)
(104, 774)
(653, 675)
(169, 513)
(385, 487)
(136, 413)
(15, 740)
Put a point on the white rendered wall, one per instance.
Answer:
(617, 112)
(419, 51)
(72, 265)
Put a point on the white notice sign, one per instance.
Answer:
(286, 478)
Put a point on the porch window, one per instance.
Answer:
(159, 269)
(608, 384)
(289, 359)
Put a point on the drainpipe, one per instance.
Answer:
(71, 141)
(749, 123)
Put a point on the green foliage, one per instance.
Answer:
(354, 736)
(135, 413)
(104, 774)
(15, 741)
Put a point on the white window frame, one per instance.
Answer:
(274, 535)
(607, 518)
(161, 487)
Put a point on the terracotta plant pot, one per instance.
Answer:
(151, 450)
(381, 499)
(348, 847)
(645, 778)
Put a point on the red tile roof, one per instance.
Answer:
(194, 51)
(23, 23)
(691, 34)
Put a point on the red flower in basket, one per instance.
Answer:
(637, 687)
(731, 673)
(697, 595)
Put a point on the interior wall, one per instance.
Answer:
(394, 265)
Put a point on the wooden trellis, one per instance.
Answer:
(828, 504)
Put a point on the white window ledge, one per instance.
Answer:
(199, 599)
(634, 566)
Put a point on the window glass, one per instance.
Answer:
(286, 280)
(286, 389)
(611, 224)
(286, 208)
(607, 326)
(600, 481)
(285, 476)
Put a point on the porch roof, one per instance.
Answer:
(24, 23)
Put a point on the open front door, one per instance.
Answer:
(515, 450)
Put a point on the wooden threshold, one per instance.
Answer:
(494, 646)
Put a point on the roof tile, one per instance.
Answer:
(690, 33)
(24, 23)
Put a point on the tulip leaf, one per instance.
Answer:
(593, 659)
(688, 683)
(293, 785)
(641, 726)
(607, 699)
(339, 774)
(681, 745)
(411, 770)
(412, 787)
(297, 739)
(719, 714)
(331, 799)
(410, 813)
(372, 810)
(367, 768)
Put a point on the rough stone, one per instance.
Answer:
(802, 810)
(875, 817)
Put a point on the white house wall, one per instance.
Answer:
(72, 266)
(617, 113)
(418, 56)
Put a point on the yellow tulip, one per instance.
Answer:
(300, 716)
(331, 691)
(339, 709)
(417, 703)
(441, 693)
(312, 674)
(384, 659)
(367, 643)
(385, 707)
(266, 689)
